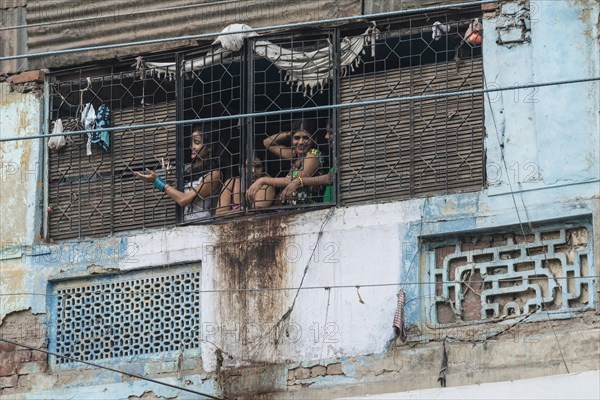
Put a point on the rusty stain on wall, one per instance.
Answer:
(251, 256)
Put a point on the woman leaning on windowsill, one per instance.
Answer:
(308, 161)
(204, 179)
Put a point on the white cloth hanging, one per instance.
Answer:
(235, 41)
(88, 119)
(438, 29)
(56, 143)
(306, 71)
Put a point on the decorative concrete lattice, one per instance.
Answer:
(124, 318)
(486, 277)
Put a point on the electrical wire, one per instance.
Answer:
(307, 109)
(307, 24)
(109, 369)
(501, 149)
(531, 228)
(350, 286)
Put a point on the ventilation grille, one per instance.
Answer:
(492, 276)
(128, 318)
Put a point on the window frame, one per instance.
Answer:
(247, 127)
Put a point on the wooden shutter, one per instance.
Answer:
(98, 194)
(418, 147)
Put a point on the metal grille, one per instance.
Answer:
(98, 194)
(414, 147)
(274, 89)
(114, 318)
(382, 152)
(505, 274)
(213, 91)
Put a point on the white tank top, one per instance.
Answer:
(199, 208)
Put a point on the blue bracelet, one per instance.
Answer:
(160, 183)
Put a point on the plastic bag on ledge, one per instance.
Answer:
(55, 143)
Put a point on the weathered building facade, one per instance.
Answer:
(480, 203)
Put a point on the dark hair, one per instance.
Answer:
(257, 156)
(304, 124)
(212, 161)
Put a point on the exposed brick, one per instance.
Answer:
(8, 382)
(295, 387)
(28, 76)
(23, 356)
(335, 369)
(38, 356)
(302, 373)
(160, 367)
(7, 347)
(489, 7)
(317, 370)
(7, 364)
(34, 367)
(291, 375)
(8, 370)
(25, 381)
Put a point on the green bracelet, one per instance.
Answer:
(160, 183)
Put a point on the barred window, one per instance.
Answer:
(92, 189)
(226, 164)
(421, 146)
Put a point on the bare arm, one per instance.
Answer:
(264, 197)
(272, 143)
(321, 180)
(209, 185)
(225, 197)
(310, 166)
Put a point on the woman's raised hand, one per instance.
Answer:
(149, 176)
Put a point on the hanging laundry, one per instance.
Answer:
(234, 41)
(102, 121)
(88, 119)
(438, 29)
(398, 324)
(56, 143)
(72, 124)
(473, 36)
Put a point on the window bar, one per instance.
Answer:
(144, 150)
(334, 117)
(249, 122)
(246, 131)
(46, 160)
(79, 164)
(411, 110)
(112, 156)
(179, 129)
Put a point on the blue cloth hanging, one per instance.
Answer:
(102, 121)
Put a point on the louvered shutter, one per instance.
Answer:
(98, 195)
(417, 147)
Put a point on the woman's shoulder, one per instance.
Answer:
(314, 152)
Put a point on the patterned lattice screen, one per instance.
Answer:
(126, 317)
(502, 275)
